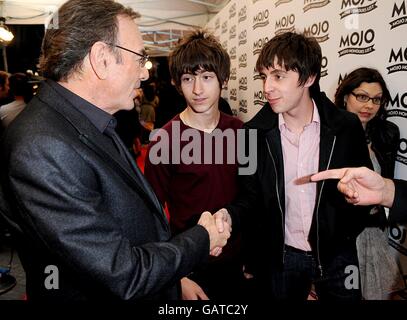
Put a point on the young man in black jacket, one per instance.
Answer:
(306, 231)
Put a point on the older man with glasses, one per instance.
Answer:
(88, 224)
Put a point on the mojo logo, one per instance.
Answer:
(280, 2)
(400, 13)
(224, 27)
(225, 44)
(232, 53)
(232, 32)
(324, 67)
(356, 7)
(243, 83)
(285, 24)
(258, 45)
(356, 42)
(313, 4)
(397, 236)
(243, 106)
(318, 30)
(243, 60)
(256, 75)
(341, 77)
(242, 16)
(233, 94)
(397, 61)
(261, 19)
(232, 11)
(243, 38)
(259, 98)
(217, 23)
(233, 74)
(398, 107)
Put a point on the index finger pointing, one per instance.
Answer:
(329, 174)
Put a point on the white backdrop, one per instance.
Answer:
(352, 33)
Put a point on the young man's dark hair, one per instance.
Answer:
(199, 51)
(65, 47)
(295, 52)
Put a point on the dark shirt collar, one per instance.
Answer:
(99, 118)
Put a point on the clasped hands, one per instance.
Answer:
(219, 227)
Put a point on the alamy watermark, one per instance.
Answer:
(188, 147)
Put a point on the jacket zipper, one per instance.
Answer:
(317, 212)
(278, 196)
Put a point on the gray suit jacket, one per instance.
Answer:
(78, 205)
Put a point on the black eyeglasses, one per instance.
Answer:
(144, 57)
(364, 98)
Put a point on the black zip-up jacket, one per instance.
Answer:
(260, 207)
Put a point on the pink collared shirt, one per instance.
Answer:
(301, 158)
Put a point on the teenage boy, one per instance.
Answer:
(306, 232)
(201, 171)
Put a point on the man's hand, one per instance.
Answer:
(217, 240)
(361, 186)
(191, 290)
(223, 220)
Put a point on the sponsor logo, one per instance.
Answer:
(259, 98)
(243, 83)
(232, 53)
(318, 30)
(243, 106)
(258, 45)
(313, 4)
(233, 94)
(359, 43)
(224, 27)
(356, 7)
(242, 16)
(401, 16)
(243, 60)
(324, 67)
(285, 24)
(397, 234)
(341, 77)
(397, 61)
(280, 2)
(256, 74)
(232, 11)
(233, 74)
(232, 32)
(399, 101)
(261, 19)
(243, 38)
(217, 23)
(225, 44)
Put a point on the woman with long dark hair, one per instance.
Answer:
(364, 92)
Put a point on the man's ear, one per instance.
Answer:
(100, 58)
(310, 81)
(225, 84)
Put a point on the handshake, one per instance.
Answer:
(219, 227)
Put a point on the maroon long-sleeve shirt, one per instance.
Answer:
(190, 189)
